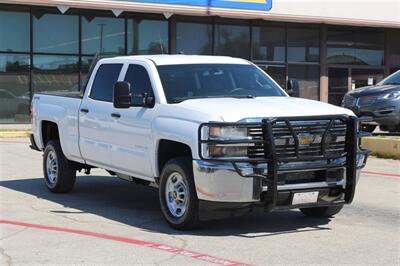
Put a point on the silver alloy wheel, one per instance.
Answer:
(176, 195)
(52, 167)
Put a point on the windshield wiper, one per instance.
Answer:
(181, 99)
(244, 96)
(392, 83)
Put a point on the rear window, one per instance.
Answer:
(106, 76)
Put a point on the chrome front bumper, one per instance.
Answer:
(220, 182)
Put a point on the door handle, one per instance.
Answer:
(84, 110)
(115, 115)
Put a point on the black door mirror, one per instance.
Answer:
(122, 95)
(293, 88)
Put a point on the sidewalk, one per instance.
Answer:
(15, 130)
(15, 127)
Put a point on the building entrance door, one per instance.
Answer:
(365, 77)
(338, 84)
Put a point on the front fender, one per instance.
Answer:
(178, 130)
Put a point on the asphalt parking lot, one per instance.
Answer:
(109, 221)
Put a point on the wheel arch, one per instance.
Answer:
(168, 149)
(49, 131)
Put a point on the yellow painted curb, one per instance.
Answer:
(15, 134)
(386, 147)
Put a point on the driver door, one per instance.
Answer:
(131, 128)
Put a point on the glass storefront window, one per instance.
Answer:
(147, 36)
(102, 34)
(14, 88)
(278, 73)
(55, 73)
(303, 44)
(341, 49)
(269, 43)
(358, 47)
(308, 77)
(369, 48)
(86, 62)
(232, 40)
(189, 43)
(55, 33)
(394, 49)
(14, 31)
(365, 77)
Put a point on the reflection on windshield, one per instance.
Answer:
(393, 79)
(191, 81)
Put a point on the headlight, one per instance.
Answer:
(391, 95)
(219, 138)
(228, 133)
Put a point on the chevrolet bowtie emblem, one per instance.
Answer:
(305, 139)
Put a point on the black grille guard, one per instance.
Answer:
(273, 161)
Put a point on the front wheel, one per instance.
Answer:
(58, 175)
(177, 193)
(321, 211)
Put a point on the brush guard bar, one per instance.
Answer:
(347, 159)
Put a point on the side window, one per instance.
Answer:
(106, 76)
(139, 79)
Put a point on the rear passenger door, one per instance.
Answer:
(95, 116)
(131, 130)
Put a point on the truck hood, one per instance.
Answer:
(233, 109)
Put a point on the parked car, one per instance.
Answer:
(10, 104)
(216, 135)
(381, 102)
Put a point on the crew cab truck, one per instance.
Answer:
(216, 135)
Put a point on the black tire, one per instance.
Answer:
(384, 128)
(395, 129)
(368, 128)
(64, 178)
(322, 211)
(190, 217)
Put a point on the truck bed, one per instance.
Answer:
(61, 108)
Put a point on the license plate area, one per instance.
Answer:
(305, 197)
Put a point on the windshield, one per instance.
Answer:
(192, 81)
(393, 79)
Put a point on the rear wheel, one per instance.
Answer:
(58, 175)
(178, 199)
(321, 211)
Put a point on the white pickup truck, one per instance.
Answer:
(216, 135)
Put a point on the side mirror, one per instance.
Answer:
(293, 88)
(122, 95)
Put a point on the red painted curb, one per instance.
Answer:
(153, 245)
(381, 174)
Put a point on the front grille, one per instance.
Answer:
(333, 175)
(288, 139)
(349, 101)
(367, 100)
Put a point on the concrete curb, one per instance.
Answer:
(385, 147)
(15, 133)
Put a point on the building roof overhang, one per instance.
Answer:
(282, 10)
